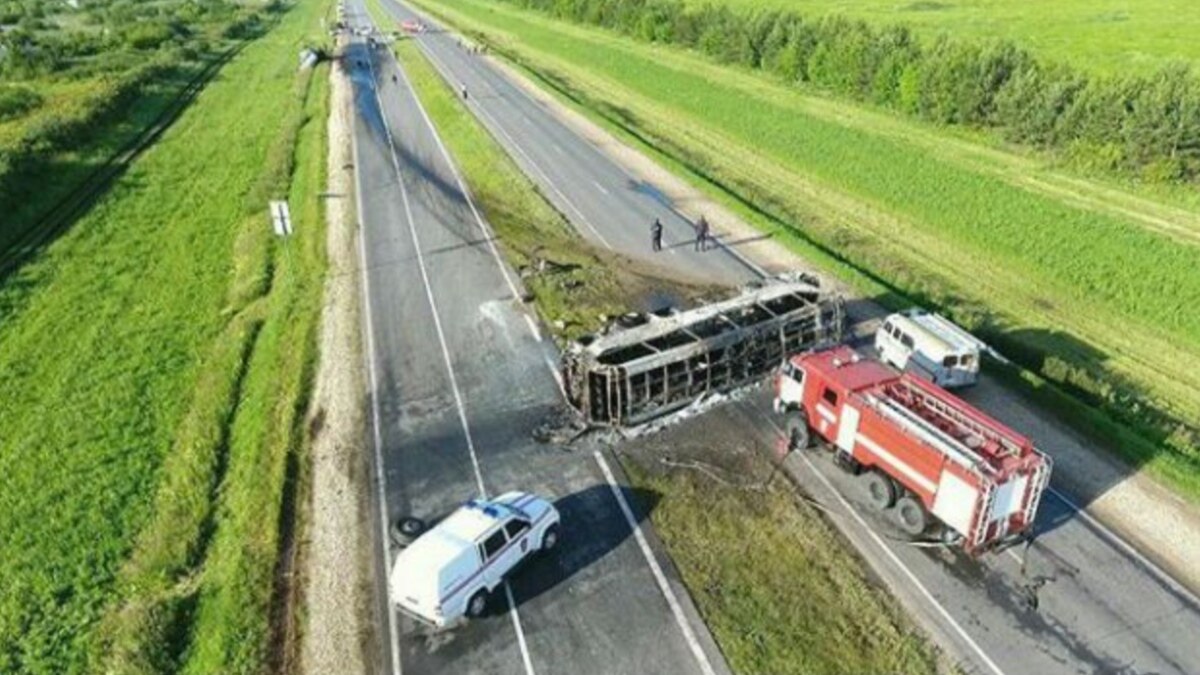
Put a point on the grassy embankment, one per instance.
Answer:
(802, 604)
(90, 81)
(156, 361)
(1087, 284)
(1100, 35)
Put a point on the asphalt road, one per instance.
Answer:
(1081, 600)
(460, 378)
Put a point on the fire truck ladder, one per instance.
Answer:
(1004, 446)
(927, 431)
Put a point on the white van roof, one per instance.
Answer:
(936, 335)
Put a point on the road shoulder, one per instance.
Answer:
(337, 602)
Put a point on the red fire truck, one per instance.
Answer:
(921, 451)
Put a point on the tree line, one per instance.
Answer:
(1147, 125)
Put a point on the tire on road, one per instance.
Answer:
(550, 538)
(477, 605)
(911, 516)
(881, 490)
(798, 435)
(405, 531)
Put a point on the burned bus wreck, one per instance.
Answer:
(652, 365)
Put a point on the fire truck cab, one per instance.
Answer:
(921, 452)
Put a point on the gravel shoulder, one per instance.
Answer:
(337, 597)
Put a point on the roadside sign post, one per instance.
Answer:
(281, 218)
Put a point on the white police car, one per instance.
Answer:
(450, 571)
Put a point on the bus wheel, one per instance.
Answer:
(911, 516)
(881, 491)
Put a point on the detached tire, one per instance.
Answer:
(881, 490)
(477, 605)
(406, 530)
(911, 516)
(550, 539)
(798, 435)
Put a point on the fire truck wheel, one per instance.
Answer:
(911, 515)
(881, 491)
(797, 432)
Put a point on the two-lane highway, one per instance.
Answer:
(1082, 601)
(460, 378)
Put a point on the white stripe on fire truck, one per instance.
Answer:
(826, 413)
(898, 463)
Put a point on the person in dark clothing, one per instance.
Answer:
(464, 92)
(702, 234)
(656, 235)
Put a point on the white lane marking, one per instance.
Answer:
(753, 266)
(462, 186)
(600, 187)
(512, 607)
(557, 149)
(380, 483)
(493, 124)
(962, 633)
(437, 322)
(557, 376)
(663, 585)
(1163, 575)
(537, 334)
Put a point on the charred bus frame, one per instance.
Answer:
(636, 373)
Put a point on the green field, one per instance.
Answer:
(1091, 284)
(1099, 35)
(80, 84)
(805, 605)
(155, 362)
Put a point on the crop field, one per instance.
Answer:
(1103, 35)
(1089, 283)
(155, 360)
(804, 604)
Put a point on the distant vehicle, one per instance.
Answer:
(921, 452)
(450, 571)
(930, 346)
(412, 26)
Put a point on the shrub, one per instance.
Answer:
(16, 100)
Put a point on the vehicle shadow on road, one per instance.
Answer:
(593, 527)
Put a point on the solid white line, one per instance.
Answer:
(512, 610)
(380, 483)
(462, 413)
(1157, 571)
(492, 123)
(437, 322)
(462, 186)
(663, 585)
(557, 377)
(962, 633)
(537, 334)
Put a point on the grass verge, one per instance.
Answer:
(906, 217)
(844, 623)
(159, 355)
(776, 584)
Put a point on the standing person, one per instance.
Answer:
(702, 234)
(656, 235)
(464, 92)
